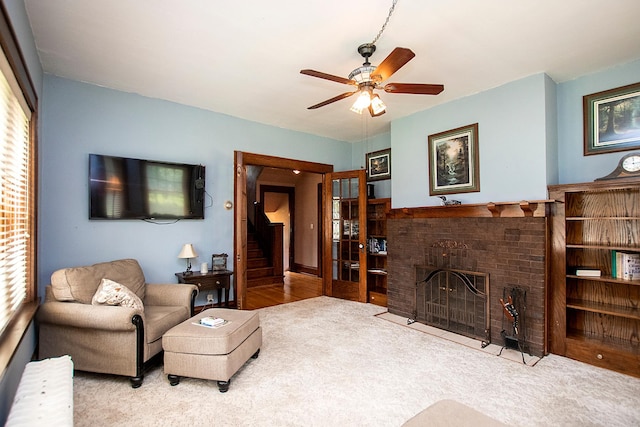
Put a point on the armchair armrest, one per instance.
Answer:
(87, 316)
(170, 294)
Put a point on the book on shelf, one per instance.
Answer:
(625, 265)
(630, 266)
(588, 272)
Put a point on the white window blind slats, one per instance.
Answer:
(14, 199)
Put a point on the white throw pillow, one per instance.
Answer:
(114, 293)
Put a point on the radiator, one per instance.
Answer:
(44, 395)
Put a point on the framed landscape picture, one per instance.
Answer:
(453, 161)
(379, 165)
(612, 120)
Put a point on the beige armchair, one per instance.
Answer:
(115, 339)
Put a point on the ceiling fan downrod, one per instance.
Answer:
(366, 50)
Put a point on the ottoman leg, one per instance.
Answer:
(256, 354)
(223, 386)
(173, 379)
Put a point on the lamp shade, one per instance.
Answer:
(187, 251)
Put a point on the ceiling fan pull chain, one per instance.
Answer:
(393, 6)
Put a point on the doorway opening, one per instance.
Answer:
(255, 171)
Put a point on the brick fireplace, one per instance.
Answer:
(507, 242)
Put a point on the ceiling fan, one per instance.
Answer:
(367, 78)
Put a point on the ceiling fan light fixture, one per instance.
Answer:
(362, 74)
(362, 102)
(377, 107)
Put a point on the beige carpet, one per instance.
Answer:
(329, 362)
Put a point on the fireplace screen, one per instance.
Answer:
(454, 300)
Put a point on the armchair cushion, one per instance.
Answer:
(113, 293)
(81, 283)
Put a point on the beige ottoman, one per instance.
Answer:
(192, 350)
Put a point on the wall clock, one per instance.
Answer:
(628, 167)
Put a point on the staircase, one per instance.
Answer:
(259, 272)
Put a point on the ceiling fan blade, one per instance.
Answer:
(334, 99)
(415, 88)
(319, 74)
(393, 62)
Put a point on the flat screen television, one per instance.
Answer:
(125, 188)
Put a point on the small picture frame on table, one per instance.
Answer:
(219, 262)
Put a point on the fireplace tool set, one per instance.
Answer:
(511, 341)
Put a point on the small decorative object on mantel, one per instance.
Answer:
(628, 167)
(446, 202)
(219, 262)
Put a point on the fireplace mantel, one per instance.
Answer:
(524, 208)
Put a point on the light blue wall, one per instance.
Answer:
(22, 27)
(551, 127)
(79, 119)
(573, 165)
(512, 132)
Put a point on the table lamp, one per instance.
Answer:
(187, 253)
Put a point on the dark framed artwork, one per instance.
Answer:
(379, 165)
(219, 262)
(612, 120)
(454, 165)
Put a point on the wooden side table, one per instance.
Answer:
(212, 280)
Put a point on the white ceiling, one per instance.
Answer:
(243, 58)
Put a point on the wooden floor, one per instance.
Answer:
(296, 287)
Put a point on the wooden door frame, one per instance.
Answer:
(241, 161)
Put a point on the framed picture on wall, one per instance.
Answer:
(454, 165)
(612, 120)
(379, 165)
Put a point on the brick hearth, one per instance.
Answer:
(507, 241)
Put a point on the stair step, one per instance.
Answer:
(257, 263)
(254, 253)
(254, 273)
(263, 281)
(253, 245)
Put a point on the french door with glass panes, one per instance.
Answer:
(345, 257)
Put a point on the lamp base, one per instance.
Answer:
(188, 271)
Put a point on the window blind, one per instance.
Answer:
(15, 194)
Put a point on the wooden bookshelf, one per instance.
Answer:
(595, 319)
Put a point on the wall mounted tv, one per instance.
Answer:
(125, 188)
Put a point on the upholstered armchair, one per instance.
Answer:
(108, 319)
